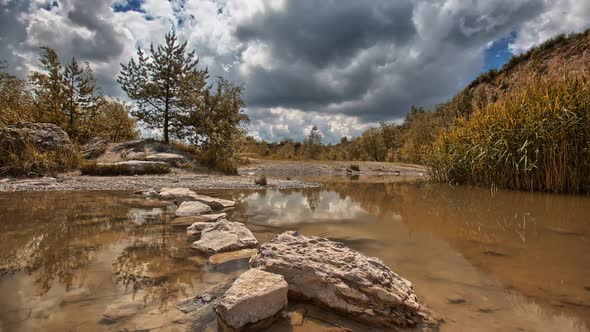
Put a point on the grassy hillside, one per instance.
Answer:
(564, 54)
(526, 126)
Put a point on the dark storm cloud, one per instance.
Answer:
(326, 32)
(89, 34)
(381, 56)
(12, 34)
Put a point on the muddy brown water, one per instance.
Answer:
(483, 261)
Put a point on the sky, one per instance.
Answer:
(343, 65)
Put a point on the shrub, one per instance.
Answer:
(261, 181)
(26, 160)
(355, 167)
(537, 139)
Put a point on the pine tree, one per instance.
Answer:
(312, 144)
(16, 102)
(82, 100)
(66, 96)
(159, 82)
(49, 89)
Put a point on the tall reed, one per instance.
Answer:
(535, 139)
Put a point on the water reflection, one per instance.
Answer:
(286, 208)
(517, 261)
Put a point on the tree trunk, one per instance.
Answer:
(166, 123)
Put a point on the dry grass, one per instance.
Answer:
(535, 139)
(27, 160)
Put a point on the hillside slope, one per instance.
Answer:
(564, 54)
(526, 126)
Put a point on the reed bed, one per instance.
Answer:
(535, 139)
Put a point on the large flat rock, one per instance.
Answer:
(334, 276)
(169, 158)
(214, 203)
(181, 195)
(254, 297)
(192, 209)
(221, 236)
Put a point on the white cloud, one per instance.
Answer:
(562, 16)
(341, 66)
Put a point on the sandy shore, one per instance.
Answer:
(281, 174)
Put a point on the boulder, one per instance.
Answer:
(94, 148)
(192, 209)
(334, 276)
(43, 136)
(130, 167)
(254, 297)
(221, 236)
(169, 158)
(187, 221)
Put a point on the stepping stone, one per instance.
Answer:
(255, 297)
(192, 209)
(221, 236)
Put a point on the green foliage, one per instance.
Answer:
(537, 139)
(164, 84)
(68, 96)
(312, 144)
(216, 124)
(114, 123)
(16, 102)
(49, 90)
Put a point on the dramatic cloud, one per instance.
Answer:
(340, 64)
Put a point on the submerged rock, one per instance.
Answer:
(221, 236)
(254, 297)
(231, 256)
(125, 306)
(192, 209)
(337, 277)
(189, 220)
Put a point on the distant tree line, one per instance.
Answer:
(387, 142)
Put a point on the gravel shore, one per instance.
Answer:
(279, 177)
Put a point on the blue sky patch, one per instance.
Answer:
(129, 5)
(498, 53)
